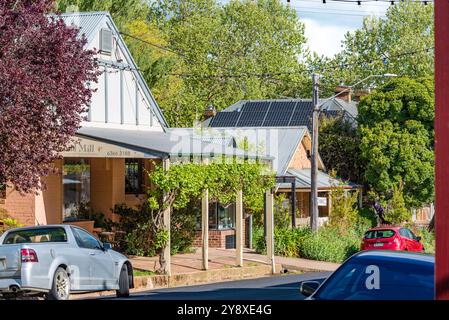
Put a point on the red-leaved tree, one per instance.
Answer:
(44, 75)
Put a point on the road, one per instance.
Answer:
(281, 287)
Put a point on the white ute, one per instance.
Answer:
(55, 260)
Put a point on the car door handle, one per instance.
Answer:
(92, 253)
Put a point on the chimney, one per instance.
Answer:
(360, 94)
(209, 112)
(347, 95)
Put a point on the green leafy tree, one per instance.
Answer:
(397, 212)
(396, 134)
(122, 11)
(401, 43)
(344, 212)
(340, 148)
(196, 53)
(237, 50)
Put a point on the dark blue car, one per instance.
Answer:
(377, 275)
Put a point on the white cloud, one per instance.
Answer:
(325, 39)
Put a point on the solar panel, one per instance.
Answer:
(279, 114)
(251, 119)
(253, 114)
(256, 106)
(225, 119)
(302, 116)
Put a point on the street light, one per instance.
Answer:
(315, 119)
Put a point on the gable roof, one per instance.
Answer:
(277, 112)
(280, 143)
(90, 24)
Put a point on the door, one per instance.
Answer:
(82, 263)
(101, 264)
(103, 270)
(410, 242)
(414, 244)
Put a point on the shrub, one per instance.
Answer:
(366, 219)
(183, 228)
(139, 238)
(6, 222)
(281, 211)
(397, 212)
(136, 225)
(259, 240)
(427, 237)
(344, 208)
(328, 244)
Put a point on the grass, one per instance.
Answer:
(143, 273)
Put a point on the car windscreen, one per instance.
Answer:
(376, 234)
(37, 235)
(379, 280)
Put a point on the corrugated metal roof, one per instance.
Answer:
(279, 143)
(303, 180)
(222, 139)
(87, 22)
(163, 143)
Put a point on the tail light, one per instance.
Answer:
(28, 255)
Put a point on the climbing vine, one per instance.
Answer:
(177, 186)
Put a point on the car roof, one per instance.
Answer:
(385, 228)
(39, 227)
(396, 256)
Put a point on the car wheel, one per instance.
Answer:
(60, 289)
(123, 283)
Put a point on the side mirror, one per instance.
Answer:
(106, 246)
(307, 288)
(418, 238)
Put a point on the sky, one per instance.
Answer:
(326, 24)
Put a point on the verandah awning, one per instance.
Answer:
(153, 144)
(303, 180)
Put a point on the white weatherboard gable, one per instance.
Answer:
(121, 98)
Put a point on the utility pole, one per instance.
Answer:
(314, 169)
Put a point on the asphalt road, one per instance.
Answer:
(280, 287)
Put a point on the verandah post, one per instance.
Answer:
(239, 229)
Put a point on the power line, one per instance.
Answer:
(272, 75)
(360, 2)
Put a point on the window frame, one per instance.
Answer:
(12, 232)
(80, 242)
(140, 175)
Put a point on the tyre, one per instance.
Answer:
(123, 283)
(60, 289)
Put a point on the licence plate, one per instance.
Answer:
(378, 244)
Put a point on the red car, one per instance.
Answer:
(391, 238)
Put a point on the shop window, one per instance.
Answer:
(134, 176)
(76, 186)
(226, 216)
(220, 217)
(213, 221)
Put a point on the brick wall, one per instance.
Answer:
(20, 207)
(217, 238)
